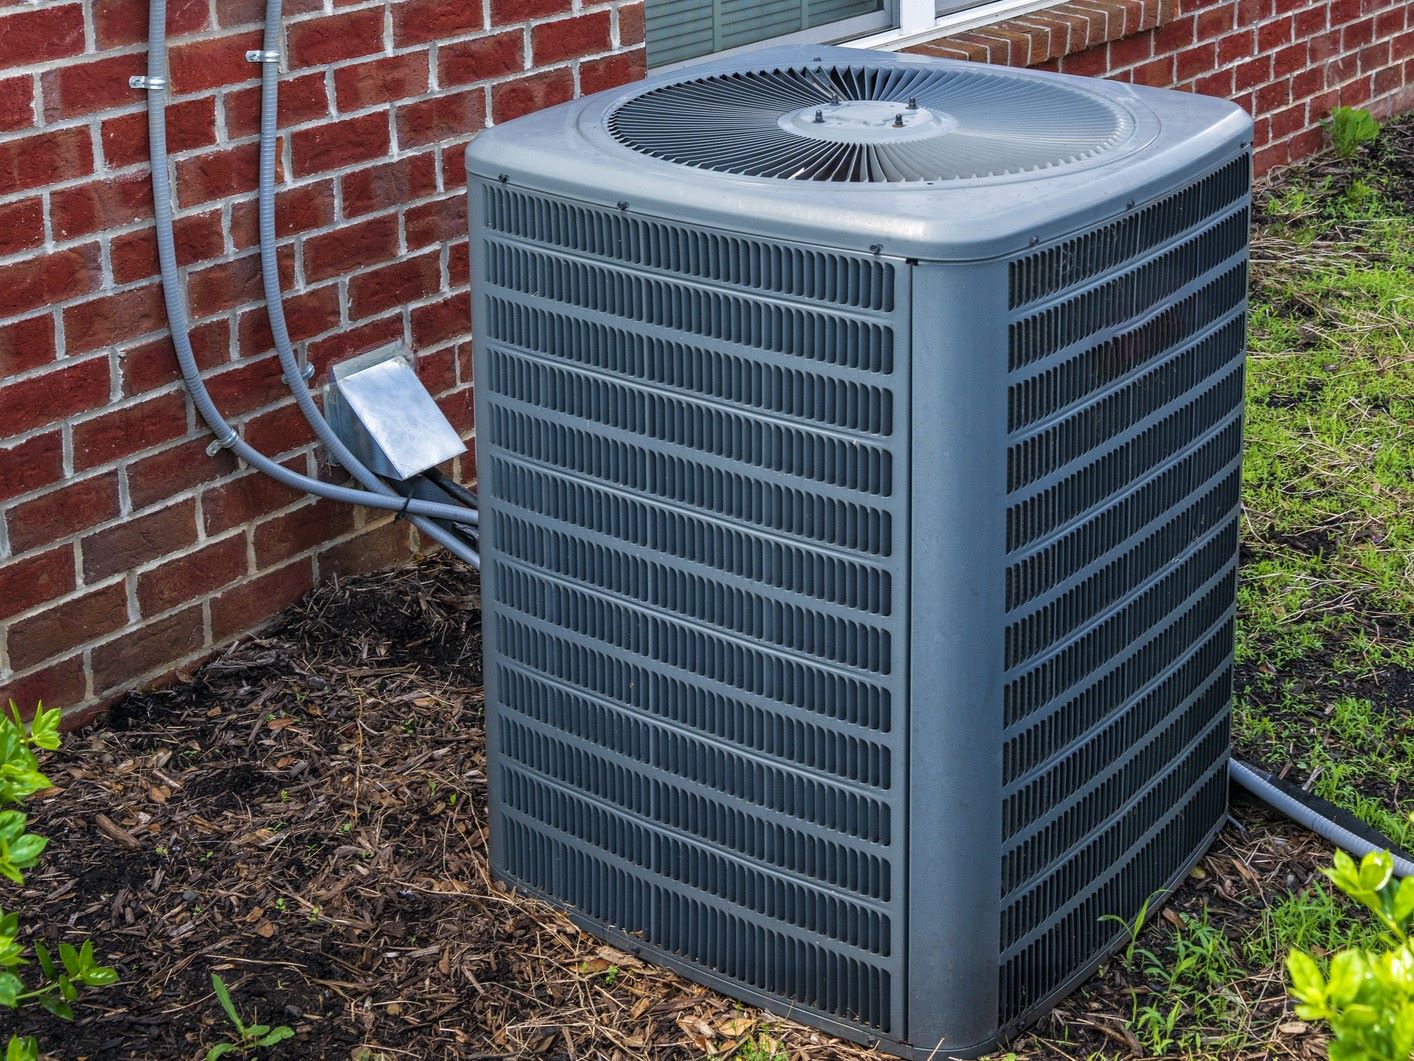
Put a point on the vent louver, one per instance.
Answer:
(859, 538)
(870, 123)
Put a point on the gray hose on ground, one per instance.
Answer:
(1269, 791)
(275, 306)
(179, 324)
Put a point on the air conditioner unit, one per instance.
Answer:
(858, 439)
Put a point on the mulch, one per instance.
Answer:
(306, 817)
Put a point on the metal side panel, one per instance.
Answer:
(693, 451)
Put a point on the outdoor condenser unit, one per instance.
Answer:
(858, 439)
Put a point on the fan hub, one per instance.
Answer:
(867, 121)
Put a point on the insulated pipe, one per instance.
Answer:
(1275, 795)
(275, 304)
(173, 297)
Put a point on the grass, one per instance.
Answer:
(1325, 647)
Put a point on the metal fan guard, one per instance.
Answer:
(871, 123)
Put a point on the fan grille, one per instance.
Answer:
(825, 123)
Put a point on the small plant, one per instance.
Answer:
(20, 778)
(1351, 128)
(1366, 996)
(249, 1037)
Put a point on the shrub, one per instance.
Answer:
(1366, 997)
(60, 981)
(1350, 128)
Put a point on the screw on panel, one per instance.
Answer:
(1129, 205)
(622, 204)
(504, 178)
(1033, 241)
(913, 103)
(876, 248)
(819, 117)
(898, 120)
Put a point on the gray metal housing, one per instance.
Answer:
(859, 559)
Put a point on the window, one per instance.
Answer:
(678, 30)
(686, 29)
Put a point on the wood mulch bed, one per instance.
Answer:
(306, 817)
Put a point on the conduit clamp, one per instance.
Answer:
(147, 84)
(218, 444)
(306, 373)
(258, 56)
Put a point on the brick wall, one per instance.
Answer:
(1288, 62)
(125, 551)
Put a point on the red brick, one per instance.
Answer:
(1094, 62)
(1358, 92)
(394, 285)
(454, 165)
(355, 340)
(16, 102)
(192, 575)
(340, 143)
(1388, 81)
(307, 314)
(1236, 46)
(303, 98)
(597, 75)
(1307, 83)
(146, 649)
(371, 188)
(1374, 57)
(441, 321)
(279, 430)
(197, 238)
(1311, 21)
(21, 225)
(1196, 61)
(504, 12)
(435, 223)
(1289, 60)
(438, 370)
(55, 395)
(226, 285)
(1288, 120)
(110, 319)
(296, 532)
(191, 124)
(174, 470)
(118, 23)
(153, 363)
(319, 41)
(457, 409)
(1275, 34)
(422, 21)
(297, 209)
(26, 344)
(477, 60)
(100, 204)
(24, 466)
(1180, 33)
(381, 81)
(1214, 22)
(62, 512)
(569, 38)
(1325, 46)
(81, 88)
(373, 550)
(217, 175)
(29, 582)
(44, 158)
(511, 99)
(350, 247)
(246, 606)
(1157, 72)
(41, 36)
(459, 264)
(630, 24)
(213, 62)
(245, 499)
(1357, 34)
(251, 383)
(1252, 73)
(1274, 96)
(1250, 12)
(122, 432)
(65, 626)
(56, 685)
(139, 540)
(431, 120)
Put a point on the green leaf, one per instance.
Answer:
(1376, 870)
(56, 1006)
(1403, 907)
(278, 1035)
(67, 989)
(1348, 971)
(25, 851)
(12, 826)
(255, 1031)
(224, 997)
(219, 1050)
(44, 729)
(1307, 983)
(70, 958)
(46, 963)
(10, 988)
(22, 1049)
(86, 961)
(100, 976)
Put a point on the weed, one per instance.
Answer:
(1350, 129)
(249, 1037)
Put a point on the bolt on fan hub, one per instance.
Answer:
(867, 121)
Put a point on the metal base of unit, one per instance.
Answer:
(773, 1004)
